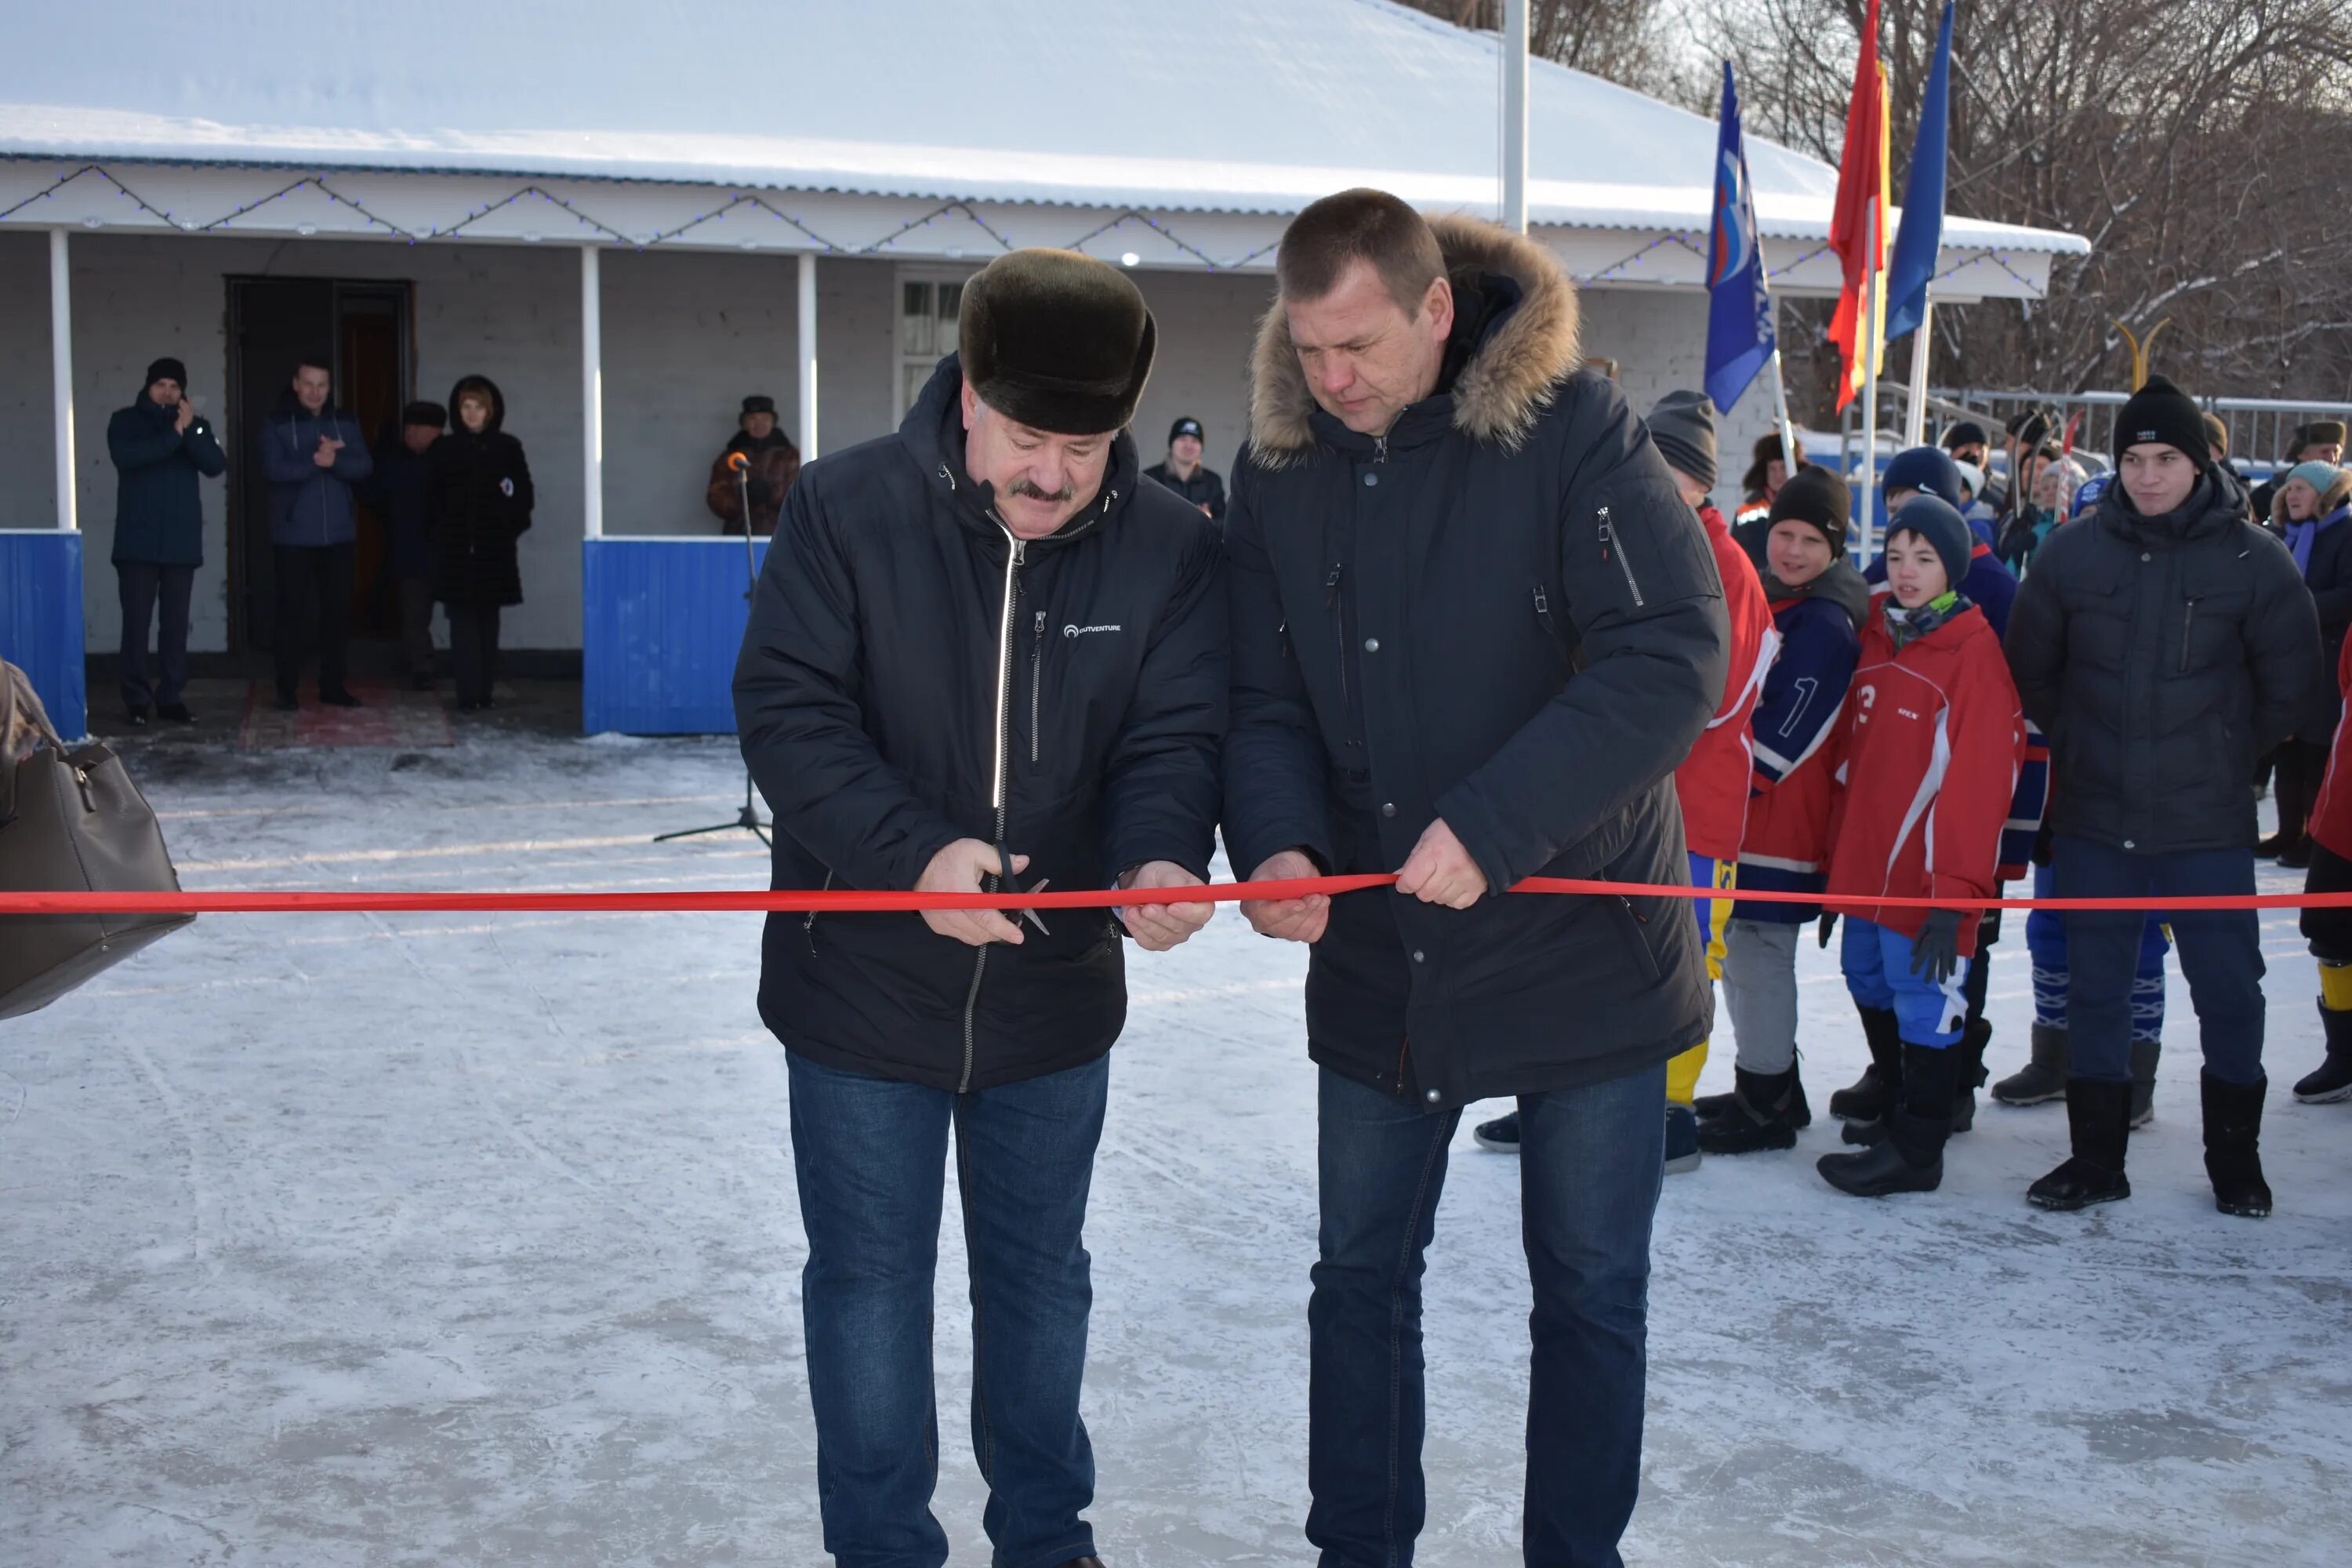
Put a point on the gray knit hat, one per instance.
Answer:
(1683, 428)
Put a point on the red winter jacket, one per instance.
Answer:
(1713, 781)
(1929, 750)
(2331, 814)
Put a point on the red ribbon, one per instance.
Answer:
(840, 901)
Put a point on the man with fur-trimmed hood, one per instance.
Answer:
(1475, 629)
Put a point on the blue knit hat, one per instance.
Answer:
(2087, 494)
(2319, 476)
(1938, 524)
(1928, 470)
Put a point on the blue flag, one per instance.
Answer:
(1740, 336)
(1922, 234)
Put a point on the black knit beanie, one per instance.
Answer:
(167, 366)
(1932, 519)
(1817, 496)
(2160, 412)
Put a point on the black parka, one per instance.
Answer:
(478, 496)
(158, 516)
(2161, 656)
(1501, 614)
(898, 646)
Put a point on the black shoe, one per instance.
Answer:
(1884, 1167)
(1908, 1155)
(1682, 1139)
(2333, 1080)
(2233, 1135)
(2144, 1054)
(2042, 1079)
(1969, 1066)
(2098, 1121)
(2268, 849)
(1881, 1083)
(2296, 856)
(338, 698)
(1761, 1115)
(1500, 1135)
(136, 717)
(1708, 1107)
(176, 712)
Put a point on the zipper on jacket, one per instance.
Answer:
(2187, 624)
(808, 925)
(1609, 542)
(1379, 449)
(1036, 680)
(1002, 731)
(1543, 611)
(1331, 601)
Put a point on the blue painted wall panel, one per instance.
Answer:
(661, 621)
(40, 621)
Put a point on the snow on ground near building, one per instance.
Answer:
(439, 1240)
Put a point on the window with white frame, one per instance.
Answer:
(927, 304)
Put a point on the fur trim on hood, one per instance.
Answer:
(2337, 493)
(1500, 394)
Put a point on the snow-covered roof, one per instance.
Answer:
(1169, 105)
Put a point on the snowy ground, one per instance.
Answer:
(433, 1240)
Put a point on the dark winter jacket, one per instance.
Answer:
(477, 490)
(902, 647)
(775, 463)
(1501, 614)
(2161, 656)
(2329, 575)
(308, 504)
(397, 491)
(1203, 489)
(158, 517)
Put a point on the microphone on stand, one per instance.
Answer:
(748, 818)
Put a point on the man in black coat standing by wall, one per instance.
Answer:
(159, 446)
(982, 651)
(1474, 630)
(400, 493)
(2162, 643)
(1183, 472)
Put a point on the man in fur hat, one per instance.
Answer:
(1475, 631)
(984, 654)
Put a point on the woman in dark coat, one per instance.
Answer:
(478, 495)
(2309, 511)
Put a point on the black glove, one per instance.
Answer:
(1936, 951)
(1829, 924)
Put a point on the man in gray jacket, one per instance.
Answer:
(312, 455)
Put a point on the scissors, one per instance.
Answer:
(1012, 885)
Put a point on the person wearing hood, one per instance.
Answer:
(983, 655)
(159, 447)
(775, 462)
(314, 457)
(1928, 753)
(2308, 511)
(2041, 506)
(1819, 604)
(398, 492)
(478, 490)
(1768, 470)
(2162, 643)
(2314, 441)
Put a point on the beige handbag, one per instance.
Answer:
(69, 822)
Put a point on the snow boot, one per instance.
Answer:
(2333, 1080)
(1801, 1115)
(1763, 1114)
(1682, 1139)
(1969, 1070)
(1881, 1083)
(2099, 1122)
(2043, 1078)
(1910, 1157)
(1501, 1136)
(2233, 1130)
(2142, 1070)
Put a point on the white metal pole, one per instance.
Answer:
(808, 356)
(1915, 416)
(61, 378)
(592, 395)
(1780, 408)
(1515, 115)
(1871, 325)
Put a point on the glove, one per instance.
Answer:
(1829, 924)
(1936, 951)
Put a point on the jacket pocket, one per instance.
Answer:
(1612, 547)
(808, 922)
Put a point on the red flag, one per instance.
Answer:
(1858, 224)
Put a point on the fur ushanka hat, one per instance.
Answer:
(1057, 341)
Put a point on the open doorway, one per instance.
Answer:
(362, 329)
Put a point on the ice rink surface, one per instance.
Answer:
(433, 1239)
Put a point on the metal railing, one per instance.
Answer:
(2259, 428)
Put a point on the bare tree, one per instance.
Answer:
(1626, 41)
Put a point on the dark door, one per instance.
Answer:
(275, 323)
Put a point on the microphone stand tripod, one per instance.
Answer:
(747, 819)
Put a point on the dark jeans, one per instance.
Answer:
(870, 1154)
(1591, 1163)
(145, 588)
(474, 649)
(314, 609)
(2221, 955)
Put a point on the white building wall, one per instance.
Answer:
(29, 485)
(1658, 339)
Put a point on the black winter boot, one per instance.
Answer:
(2233, 1132)
(2098, 1121)
(1710, 1106)
(2043, 1078)
(2333, 1080)
(1881, 1083)
(1910, 1157)
(2142, 1070)
(1969, 1070)
(1762, 1115)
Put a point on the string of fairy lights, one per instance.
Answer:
(1628, 268)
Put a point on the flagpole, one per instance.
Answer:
(1871, 327)
(1915, 416)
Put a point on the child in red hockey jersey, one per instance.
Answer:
(1932, 740)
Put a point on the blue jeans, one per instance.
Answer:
(2221, 955)
(1590, 1161)
(1877, 963)
(871, 1157)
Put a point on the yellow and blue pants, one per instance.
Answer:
(1714, 914)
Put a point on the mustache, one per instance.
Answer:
(1029, 488)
